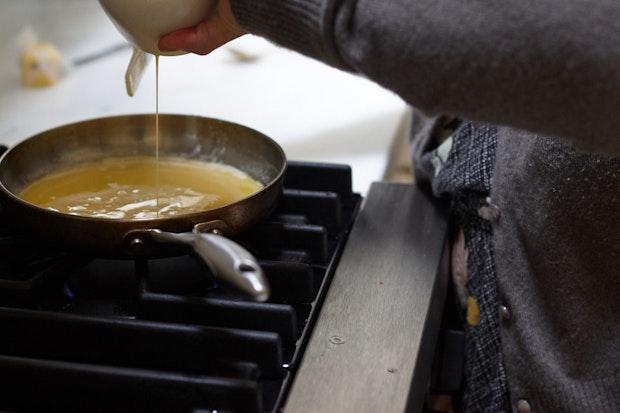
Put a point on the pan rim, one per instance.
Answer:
(146, 223)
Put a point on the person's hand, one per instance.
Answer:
(215, 31)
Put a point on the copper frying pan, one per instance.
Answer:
(189, 137)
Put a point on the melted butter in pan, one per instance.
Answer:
(127, 188)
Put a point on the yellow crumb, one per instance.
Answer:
(40, 65)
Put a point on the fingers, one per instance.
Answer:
(202, 39)
(193, 39)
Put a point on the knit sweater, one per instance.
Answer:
(546, 72)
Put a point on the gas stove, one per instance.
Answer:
(91, 334)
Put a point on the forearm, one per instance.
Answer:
(552, 67)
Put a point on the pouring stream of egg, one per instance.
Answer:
(157, 127)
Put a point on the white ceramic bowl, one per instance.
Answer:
(144, 22)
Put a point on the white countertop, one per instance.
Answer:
(315, 112)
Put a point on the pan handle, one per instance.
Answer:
(232, 263)
(227, 260)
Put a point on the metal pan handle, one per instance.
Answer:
(233, 264)
(227, 260)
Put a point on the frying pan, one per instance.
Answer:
(190, 137)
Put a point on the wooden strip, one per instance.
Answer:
(372, 347)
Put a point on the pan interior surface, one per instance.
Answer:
(181, 137)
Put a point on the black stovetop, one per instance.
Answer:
(87, 334)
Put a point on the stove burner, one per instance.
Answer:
(157, 335)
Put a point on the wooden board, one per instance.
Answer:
(373, 345)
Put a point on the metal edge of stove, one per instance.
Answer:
(373, 344)
(317, 305)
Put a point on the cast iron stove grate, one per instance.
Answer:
(82, 334)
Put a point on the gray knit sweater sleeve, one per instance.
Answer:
(548, 66)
